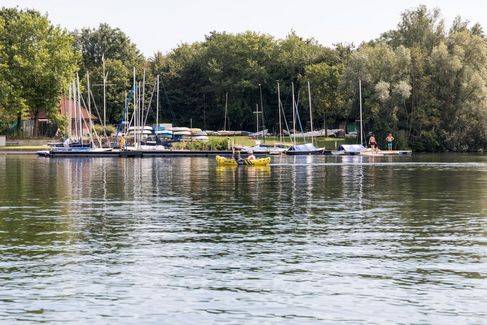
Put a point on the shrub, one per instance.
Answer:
(212, 144)
(218, 144)
(110, 129)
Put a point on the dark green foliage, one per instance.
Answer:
(36, 62)
(212, 144)
(197, 78)
(426, 85)
(110, 129)
(121, 57)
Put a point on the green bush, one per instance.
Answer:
(218, 144)
(212, 144)
(111, 130)
(196, 145)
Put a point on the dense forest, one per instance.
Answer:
(423, 81)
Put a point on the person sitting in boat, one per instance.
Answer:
(373, 142)
(236, 155)
(250, 155)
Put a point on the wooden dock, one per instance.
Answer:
(131, 153)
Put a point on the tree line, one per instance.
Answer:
(422, 81)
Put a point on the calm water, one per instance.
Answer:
(181, 241)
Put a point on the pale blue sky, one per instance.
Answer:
(162, 25)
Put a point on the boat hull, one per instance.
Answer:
(222, 161)
(307, 153)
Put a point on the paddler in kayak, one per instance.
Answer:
(236, 155)
(250, 155)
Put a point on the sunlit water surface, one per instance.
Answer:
(181, 241)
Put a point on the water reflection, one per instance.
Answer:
(357, 239)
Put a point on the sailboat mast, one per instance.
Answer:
(157, 105)
(134, 114)
(139, 115)
(294, 114)
(279, 110)
(75, 114)
(310, 112)
(143, 107)
(90, 124)
(226, 110)
(80, 113)
(126, 113)
(104, 95)
(70, 109)
(257, 115)
(262, 112)
(360, 100)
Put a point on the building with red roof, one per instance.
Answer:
(45, 127)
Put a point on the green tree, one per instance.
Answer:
(36, 62)
(459, 80)
(385, 75)
(121, 56)
(446, 109)
(105, 42)
(327, 98)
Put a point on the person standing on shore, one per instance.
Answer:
(373, 143)
(121, 142)
(389, 140)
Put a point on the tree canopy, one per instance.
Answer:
(36, 61)
(425, 83)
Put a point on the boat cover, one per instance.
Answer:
(303, 147)
(255, 149)
(351, 147)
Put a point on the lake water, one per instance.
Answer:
(358, 240)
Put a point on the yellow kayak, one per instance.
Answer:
(222, 161)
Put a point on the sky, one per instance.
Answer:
(162, 25)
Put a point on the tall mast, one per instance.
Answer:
(226, 109)
(279, 110)
(257, 118)
(139, 115)
(70, 108)
(90, 128)
(134, 117)
(143, 105)
(294, 114)
(204, 112)
(75, 111)
(104, 94)
(310, 112)
(126, 113)
(360, 100)
(262, 112)
(257, 115)
(80, 113)
(157, 105)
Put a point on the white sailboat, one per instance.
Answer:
(305, 148)
(354, 149)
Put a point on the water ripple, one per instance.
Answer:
(359, 240)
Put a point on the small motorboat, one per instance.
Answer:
(222, 161)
